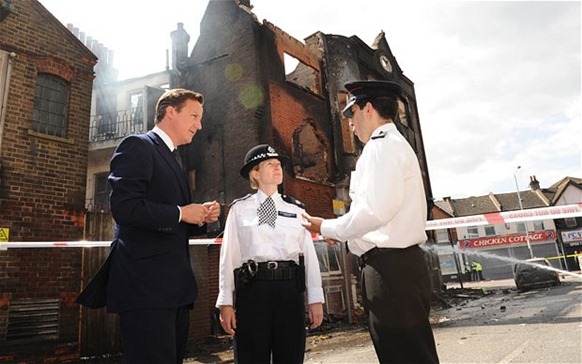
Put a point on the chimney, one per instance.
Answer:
(534, 184)
(180, 40)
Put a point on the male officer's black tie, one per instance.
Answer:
(267, 212)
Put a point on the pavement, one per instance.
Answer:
(507, 283)
(485, 284)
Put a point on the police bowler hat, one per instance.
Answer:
(258, 154)
(366, 90)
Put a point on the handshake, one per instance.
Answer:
(194, 213)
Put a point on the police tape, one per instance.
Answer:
(86, 244)
(575, 256)
(507, 217)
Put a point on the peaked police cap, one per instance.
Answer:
(366, 90)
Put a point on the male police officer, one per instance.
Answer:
(384, 227)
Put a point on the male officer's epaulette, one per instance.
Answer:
(293, 200)
(239, 199)
(381, 135)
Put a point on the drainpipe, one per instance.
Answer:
(5, 86)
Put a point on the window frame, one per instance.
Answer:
(50, 115)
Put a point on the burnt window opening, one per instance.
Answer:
(310, 158)
(301, 74)
(102, 192)
(403, 113)
(51, 105)
(347, 135)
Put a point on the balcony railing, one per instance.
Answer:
(117, 125)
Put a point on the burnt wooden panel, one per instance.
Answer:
(99, 332)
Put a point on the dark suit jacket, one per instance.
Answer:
(150, 263)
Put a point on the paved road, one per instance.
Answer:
(505, 326)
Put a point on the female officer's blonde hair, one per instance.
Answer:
(254, 183)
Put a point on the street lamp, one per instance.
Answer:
(521, 208)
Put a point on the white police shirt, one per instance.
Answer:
(245, 239)
(388, 208)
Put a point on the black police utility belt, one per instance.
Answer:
(365, 258)
(277, 270)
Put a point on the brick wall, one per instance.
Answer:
(42, 181)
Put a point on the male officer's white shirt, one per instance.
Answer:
(388, 208)
(245, 239)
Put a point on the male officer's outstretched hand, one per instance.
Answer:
(213, 211)
(313, 224)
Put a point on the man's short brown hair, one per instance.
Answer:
(176, 97)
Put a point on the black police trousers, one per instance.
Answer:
(396, 296)
(270, 318)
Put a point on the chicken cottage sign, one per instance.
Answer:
(495, 241)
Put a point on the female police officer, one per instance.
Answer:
(267, 261)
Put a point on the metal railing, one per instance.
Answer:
(111, 126)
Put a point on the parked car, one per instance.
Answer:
(532, 274)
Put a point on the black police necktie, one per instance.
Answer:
(267, 212)
(178, 158)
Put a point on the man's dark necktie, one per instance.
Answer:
(267, 212)
(178, 158)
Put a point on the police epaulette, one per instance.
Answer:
(239, 199)
(379, 136)
(293, 200)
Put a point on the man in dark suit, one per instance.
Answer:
(151, 281)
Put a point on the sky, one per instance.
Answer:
(497, 82)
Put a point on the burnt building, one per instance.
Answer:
(261, 85)
(264, 86)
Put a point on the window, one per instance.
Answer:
(442, 236)
(301, 74)
(473, 232)
(50, 105)
(136, 100)
(348, 141)
(490, 230)
(328, 257)
(309, 155)
(538, 225)
(570, 222)
(521, 227)
(102, 191)
(403, 113)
